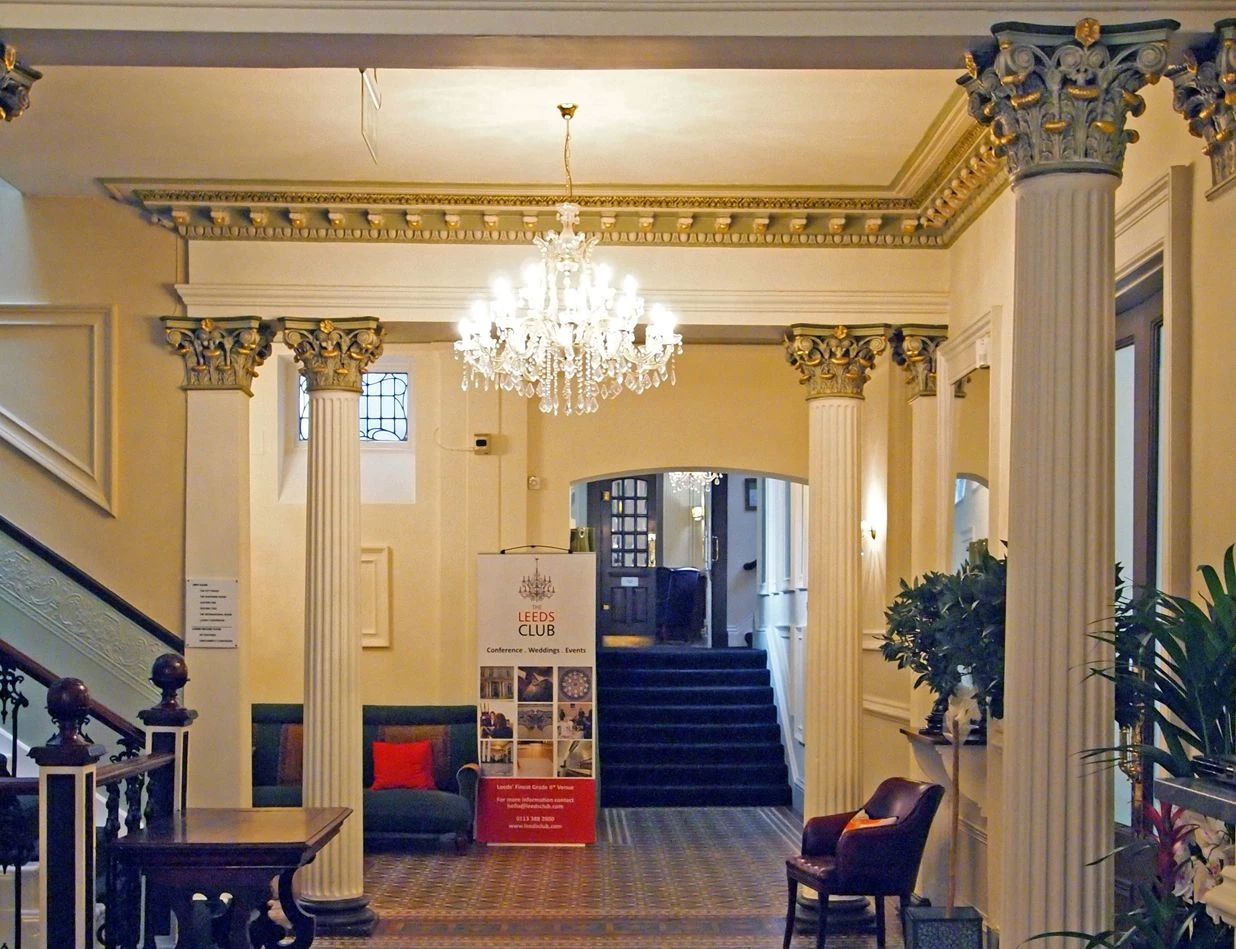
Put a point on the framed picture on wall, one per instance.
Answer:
(750, 493)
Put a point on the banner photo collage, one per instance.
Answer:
(536, 707)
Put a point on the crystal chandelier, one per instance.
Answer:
(567, 336)
(686, 481)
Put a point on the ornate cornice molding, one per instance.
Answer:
(913, 348)
(1057, 99)
(835, 361)
(220, 353)
(16, 78)
(1205, 94)
(334, 353)
(933, 216)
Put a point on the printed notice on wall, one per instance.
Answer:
(210, 613)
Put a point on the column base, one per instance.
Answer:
(350, 917)
(849, 914)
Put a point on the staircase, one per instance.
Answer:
(688, 727)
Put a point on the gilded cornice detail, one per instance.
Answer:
(1058, 99)
(220, 353)
(913, 348)
(965, 181)
(16, 78)
(835, 361)
(1205, 94)
(333, 354)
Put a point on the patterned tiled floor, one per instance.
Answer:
(657, 878)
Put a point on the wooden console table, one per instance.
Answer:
(238, 851)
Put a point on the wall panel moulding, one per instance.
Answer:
(930, 214)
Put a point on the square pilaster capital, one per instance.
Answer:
(220, 353)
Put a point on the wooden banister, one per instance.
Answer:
(45, 677)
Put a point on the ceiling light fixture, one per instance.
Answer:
(567, 336)
(686, 481)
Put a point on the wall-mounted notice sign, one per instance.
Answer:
(210, 612)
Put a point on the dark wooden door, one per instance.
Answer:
(624, 513)
(718, 569)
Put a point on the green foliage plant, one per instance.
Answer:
(1176, 662)
(949, 625)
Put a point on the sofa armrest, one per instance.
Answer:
(467, 777)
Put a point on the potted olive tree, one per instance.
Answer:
(949, 628)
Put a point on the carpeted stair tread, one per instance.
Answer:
(677, 678)
(637, 753)
(677, 734)
(671, 773)
(668, 657)
(728, 795)
(708, 695)
(689, 714)
(688, 727)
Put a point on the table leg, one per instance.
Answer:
(303, 924)
(242, 907)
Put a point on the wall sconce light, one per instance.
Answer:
(865, 528)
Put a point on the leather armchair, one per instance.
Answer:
(876, 861)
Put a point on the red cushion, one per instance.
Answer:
(406, 764)
(862, 819)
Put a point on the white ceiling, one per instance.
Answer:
(750, 130)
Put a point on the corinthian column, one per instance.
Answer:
(1057, 100)
(332, 357)
(835, 363)
(221, 358)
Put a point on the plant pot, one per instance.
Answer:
(935, 720)
(934, 927)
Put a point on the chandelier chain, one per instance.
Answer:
(566, 158)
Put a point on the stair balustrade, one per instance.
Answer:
(44, 818)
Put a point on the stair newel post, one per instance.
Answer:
(167, 731)
(67, 765)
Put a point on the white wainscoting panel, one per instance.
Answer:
(63, 419)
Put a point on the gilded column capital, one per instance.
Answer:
(835, 361)
(913, 348)
(220, 353)
(333, 354)
(1057, 98)
(1205, 94)
(16, 78)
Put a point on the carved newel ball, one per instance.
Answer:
(68, 699)
(169, 672)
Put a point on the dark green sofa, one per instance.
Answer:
(391, 815)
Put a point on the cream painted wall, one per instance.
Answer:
(972, 415)
(734, 408)
(91, 251)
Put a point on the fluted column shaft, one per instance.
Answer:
(831, 729)
(333, 749)
(333, 356)
(834, 364)
(1058, 101)
(1061, 518)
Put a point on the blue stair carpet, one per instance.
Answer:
(688, 727)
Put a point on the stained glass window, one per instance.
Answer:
(383, 408)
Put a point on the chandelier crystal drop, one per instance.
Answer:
(567, 336)
(687, 481)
